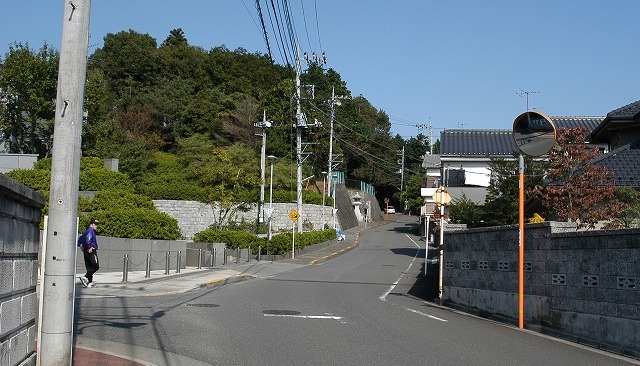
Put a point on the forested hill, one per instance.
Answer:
(151, 103)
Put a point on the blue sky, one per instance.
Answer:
(461, 63)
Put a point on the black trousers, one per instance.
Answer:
(91, 263)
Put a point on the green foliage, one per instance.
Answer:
(501, 203)
(135, 223)
(279, 244)
(282, 243)
(168, 179)
(233, 239)
(464, 211)
(120, 199)
(28, 81)
(629, 215)
(308, 197)
(37, 179)
(104, 179)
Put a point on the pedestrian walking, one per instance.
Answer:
(89, 245)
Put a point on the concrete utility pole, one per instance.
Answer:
(335, 100)
(299, 127)
(56, 338)
(262, 126)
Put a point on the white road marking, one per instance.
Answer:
(384, 296)
(305, 316)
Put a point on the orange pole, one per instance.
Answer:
(521, 244)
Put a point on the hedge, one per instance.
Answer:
(134, 223)
(279, 244)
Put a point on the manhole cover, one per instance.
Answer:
(203, 305)
(281, 312)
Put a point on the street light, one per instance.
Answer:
(272, 160)
(324, 183)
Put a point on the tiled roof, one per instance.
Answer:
(498, 142)
(629, 111)
(624, 163)
(431, 161)
(477, 142)
(572, 122)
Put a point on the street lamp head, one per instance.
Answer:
(271, 158)
(324, 173)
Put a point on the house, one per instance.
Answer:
(620, 131)
(463, 163)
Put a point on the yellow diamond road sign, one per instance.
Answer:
(441, 196)
(294, 215)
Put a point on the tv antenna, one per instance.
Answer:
(522, 93)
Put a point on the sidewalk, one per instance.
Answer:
(190, 278)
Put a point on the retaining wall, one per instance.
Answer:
(20, 212)
(584, 286)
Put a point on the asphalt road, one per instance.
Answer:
(351, 310)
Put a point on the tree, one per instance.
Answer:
(629, 215)
(28, 82)
(464, 211)
(575, 189)
(502, 202)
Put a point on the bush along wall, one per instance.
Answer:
(279, 244)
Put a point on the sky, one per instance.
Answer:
(459, 64)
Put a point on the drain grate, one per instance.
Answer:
(203, 305)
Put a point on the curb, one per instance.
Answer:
(225, 281)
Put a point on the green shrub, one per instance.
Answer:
(37, 179)
(104, 179)
(135, 223)
(167, 179)
(118, 199)
(233, 239)
(308, 197)
(282, 243)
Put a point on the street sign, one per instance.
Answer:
(534, 133)
(294, 215)
(441, 196)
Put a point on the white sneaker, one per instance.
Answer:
(85, 281)
(90, 284)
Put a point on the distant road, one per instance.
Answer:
(351, 310)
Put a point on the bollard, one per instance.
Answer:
(167, 256)
(249, 254)
(213, 258)
(237, 255)
(148, 274)
(179, 260)
(259, 253)
(199, 258)
(125, 268)
(224, 256)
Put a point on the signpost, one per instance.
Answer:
(442, 198)
(535, 134)
(294, 216)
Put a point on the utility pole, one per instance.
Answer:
(402, 176)
(299, 126)
(58, 284)
(334, 101)
(262, 128)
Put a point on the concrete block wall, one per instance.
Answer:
(20, 213)
(584, 286)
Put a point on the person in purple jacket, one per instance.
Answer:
(89, 245)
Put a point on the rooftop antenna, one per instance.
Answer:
(522, 92)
